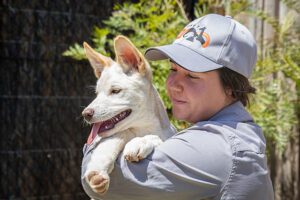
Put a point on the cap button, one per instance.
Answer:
(228, 16)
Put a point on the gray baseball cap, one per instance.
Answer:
(208, 43)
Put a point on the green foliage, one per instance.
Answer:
(228, 7)
(273, 108)
(276, 76)
(76, 52)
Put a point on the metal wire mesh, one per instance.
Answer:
(42, 94)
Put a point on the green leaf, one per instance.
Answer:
(77, 52)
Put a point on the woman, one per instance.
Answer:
(223, 155)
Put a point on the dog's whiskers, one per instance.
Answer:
(84, 123)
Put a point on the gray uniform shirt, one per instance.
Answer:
(222, 158)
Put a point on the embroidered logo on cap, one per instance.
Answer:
(192, 34)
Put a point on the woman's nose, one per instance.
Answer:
(174, 83)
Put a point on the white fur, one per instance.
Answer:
(145, 128)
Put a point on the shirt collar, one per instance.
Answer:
(234, 112)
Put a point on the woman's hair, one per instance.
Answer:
(238, 84)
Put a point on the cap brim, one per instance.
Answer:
(183, 56)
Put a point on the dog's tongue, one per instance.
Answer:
(93, 133)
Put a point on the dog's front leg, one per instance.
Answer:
(140, 147)
(102, 161)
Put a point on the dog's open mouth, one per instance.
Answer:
(110, 123)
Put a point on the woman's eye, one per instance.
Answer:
(192, 77)
(115, 91)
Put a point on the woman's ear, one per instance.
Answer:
(228, 91)
(97, 60)
(128, 56)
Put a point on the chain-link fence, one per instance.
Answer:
(42, 94)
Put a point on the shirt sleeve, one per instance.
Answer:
(191, 165)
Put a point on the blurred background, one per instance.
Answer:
(46, 82)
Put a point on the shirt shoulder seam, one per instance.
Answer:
(232, 139)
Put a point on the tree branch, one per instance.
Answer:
(179, 3)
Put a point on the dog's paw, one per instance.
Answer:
(97, 181)
(140, 147)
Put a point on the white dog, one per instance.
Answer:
(127, 109)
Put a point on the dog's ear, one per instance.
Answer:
(97, 60)
(128, 56)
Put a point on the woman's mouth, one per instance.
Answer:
(177, 101)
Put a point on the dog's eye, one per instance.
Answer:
(115, 91)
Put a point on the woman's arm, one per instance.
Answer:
(192, 165)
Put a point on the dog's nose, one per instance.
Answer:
(88, 113)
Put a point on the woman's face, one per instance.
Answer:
(195, 96)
